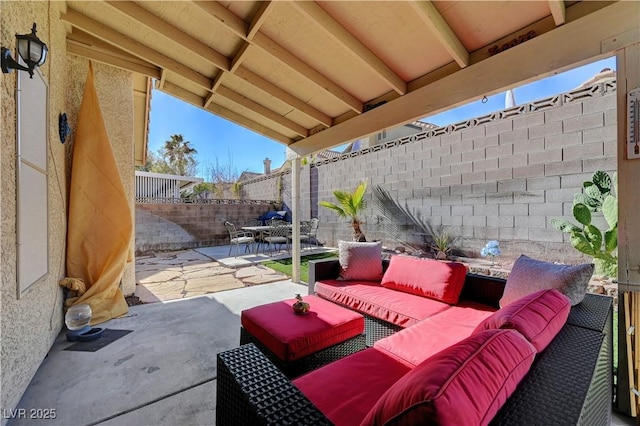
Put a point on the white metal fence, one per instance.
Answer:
(157, 187)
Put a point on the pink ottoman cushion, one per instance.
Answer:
(291, 336)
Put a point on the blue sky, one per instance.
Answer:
(217, 138)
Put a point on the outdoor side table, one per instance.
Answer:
(297, 344)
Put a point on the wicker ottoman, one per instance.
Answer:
(300, 343)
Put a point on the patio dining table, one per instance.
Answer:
(260, 230)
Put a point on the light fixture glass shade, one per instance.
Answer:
(78, 316)
(31, 49)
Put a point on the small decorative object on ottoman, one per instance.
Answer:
(300, 307)
(300, 343)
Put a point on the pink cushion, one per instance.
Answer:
(419, 342)
(290, 336)
(371, 298)
(465, 384)
(538, 317)
(466, 312)
(360, 261)
(425, 277)
(346, 390)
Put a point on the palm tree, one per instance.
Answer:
(180, 155)
(350, 205)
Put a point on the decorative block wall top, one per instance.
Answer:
(556, 101)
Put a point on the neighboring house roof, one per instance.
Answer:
(248, 175)
(326, 154)
(417, 126)
(423, 125)
(603, 76)
(322, 155)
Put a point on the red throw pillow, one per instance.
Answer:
(465, 384)
(426, 277)
(538, 317)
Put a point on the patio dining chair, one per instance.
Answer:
(257, 236)
(313, 231)
(238, 238)
(305, 227)
(277, 234)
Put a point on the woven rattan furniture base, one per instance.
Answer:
(570, 383)
(303, 365)
(252, 391)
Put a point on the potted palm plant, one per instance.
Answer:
(350, 205)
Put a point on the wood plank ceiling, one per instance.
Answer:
(294, 71)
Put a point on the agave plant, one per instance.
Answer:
(401, 223)
(598, 196)
(350, 205)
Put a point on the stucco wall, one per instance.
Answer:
(30, 324)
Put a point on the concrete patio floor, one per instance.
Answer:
(163, 373)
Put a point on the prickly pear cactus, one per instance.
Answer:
(597, 196)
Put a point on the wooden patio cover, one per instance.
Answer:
(313, 75)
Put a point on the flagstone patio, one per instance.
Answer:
(198, 272)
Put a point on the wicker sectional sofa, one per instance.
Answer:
(569, 381)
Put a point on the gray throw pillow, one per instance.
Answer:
(360, 261)
(530, 275)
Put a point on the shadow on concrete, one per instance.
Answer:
(162, 373)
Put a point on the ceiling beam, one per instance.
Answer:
(163, 79)
(336, 31)
(249, 124)
(240, 28)
(259, 18)
(289, 59)
(436, 23)
(170, 32)
(88, 25)
(81, 38)
(540, 27)
(231, 21)
(575, 43)
(558, 10)
(225, 113)
(263, 111)
(89, 52)
(240, 56)
(215, 58)
(273, 90)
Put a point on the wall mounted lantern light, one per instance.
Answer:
(30, 48)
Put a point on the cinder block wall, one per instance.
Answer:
(262, 188)
(502, 176)
(162, 227)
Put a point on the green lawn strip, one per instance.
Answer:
(284, 265)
